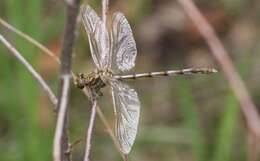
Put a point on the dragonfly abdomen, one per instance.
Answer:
(167, 73)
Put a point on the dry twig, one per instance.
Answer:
(90, 130)
(30, 39)
(29, 67)
(61, 138)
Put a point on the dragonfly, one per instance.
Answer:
(114, 52)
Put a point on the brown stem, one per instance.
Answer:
(29, 67)
(61, 138)
(90, 130)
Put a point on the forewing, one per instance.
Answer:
(98, 36)
(127, 107)
(123, 43)
(102, 39)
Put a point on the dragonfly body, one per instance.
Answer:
(98, 79)
(113, 50)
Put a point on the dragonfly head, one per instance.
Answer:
(80, 81)
(83, 80)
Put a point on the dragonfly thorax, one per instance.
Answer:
(94, 81)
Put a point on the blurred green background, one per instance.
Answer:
(186, 118)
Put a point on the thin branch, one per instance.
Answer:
(109, 129)
(206, 30)
(29, 67)
(61, 123)
(61, 139)
(110, 132)
(30, 39)
(90, 130)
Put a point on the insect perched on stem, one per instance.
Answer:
(114, 52)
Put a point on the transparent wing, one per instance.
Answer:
(127, 107)
(123, 43)
(98, 36)
(91, 21)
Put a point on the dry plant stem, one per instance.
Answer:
(30, 39)
(29, 67)
(61, 138)
(90, 130)
(247, 106)
(110, 131)
(106, 124)
(58, 150)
